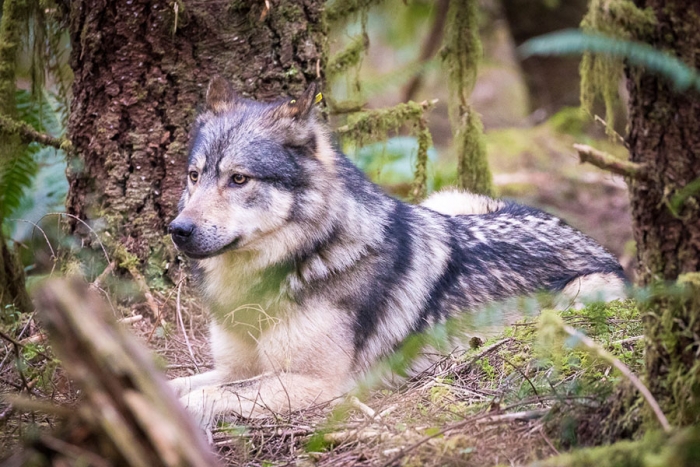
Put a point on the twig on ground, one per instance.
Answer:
(18, 344)
(628, 340)
(507, 417)
(522, 373)
(97, 283)
(37, 338)
(181, 324)
(130, 319)
(364, 408)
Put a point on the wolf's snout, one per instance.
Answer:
(181, 230)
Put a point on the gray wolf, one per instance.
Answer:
(311, 273)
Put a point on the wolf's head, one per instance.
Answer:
(253, 169)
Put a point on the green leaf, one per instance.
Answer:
(574, 42)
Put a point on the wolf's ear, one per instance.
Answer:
(220, 95)
(301, 107)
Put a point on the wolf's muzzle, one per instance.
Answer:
(181, 231)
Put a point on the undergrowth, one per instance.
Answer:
(511, 399)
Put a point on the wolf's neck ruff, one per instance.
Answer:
(329, 273)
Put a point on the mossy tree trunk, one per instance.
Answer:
(663, 135)
(141, 68)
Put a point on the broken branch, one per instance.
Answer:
(610, 163)
(29, 135)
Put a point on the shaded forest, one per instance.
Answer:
(585, 109)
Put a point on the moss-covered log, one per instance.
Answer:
(141, 68)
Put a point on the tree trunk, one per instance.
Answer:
(553, 82)
(141, 68)
(666, 209)
(12, 291)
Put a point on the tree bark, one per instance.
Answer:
(663, 136)
(141, 68)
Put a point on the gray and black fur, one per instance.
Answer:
(312, 273)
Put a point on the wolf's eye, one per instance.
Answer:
(194, 176)
(239, 179)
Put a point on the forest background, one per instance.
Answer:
(423, 95)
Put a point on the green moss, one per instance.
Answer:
(342, 9)
(461, 54)
(673, 370)
(348, 57)
(600, 75)
(375, 125)
(654, 450)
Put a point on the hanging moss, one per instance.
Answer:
(348, 57)
(473, 170)
(342, 9)
(374, 125)
(600, 74)
(420, 179)
(461, 54)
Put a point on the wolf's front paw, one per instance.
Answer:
(181, 386)
(201, 403)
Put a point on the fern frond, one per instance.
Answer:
(15, 176)
(574, 42)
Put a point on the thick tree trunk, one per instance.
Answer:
(141, 68)
(552, 81)
(666, 209)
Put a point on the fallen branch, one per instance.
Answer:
(610, 163)
(29, 135)
(127, 403)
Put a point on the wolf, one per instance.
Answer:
(311, 273)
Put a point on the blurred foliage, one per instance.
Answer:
(678, 73)
(38, 185)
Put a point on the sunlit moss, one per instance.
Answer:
(461, 54)
(600, 74)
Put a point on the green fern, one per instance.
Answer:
(15, 177)
(572, 41)
(20, 172)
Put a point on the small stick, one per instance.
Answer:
(181, 323)
(131, 319)
(362, 407)
(610, 163)
(506, 417)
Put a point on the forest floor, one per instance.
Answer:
(525, 394)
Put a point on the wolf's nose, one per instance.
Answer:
(181, 230)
